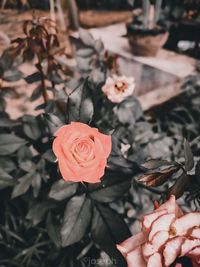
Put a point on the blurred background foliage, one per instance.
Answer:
(32, 198)
(181, 5)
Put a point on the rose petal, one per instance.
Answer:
(189, 245)
(158, 241)
(135, 258)
(64, 138)
(171, 206)
(67, 172)
(115, 95)
(154, 261)
(131, 243)
(57, 143)
(194, 264)
(83, 128)
(161, 224)
(186, 222)
(195, 255)
(150, 218)
(99, 149)
(195, 252)
(66, 148)
(62, 130)
(106, 143)
(89, 176)
(195, 233)
(172, 249)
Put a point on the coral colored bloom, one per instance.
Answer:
(82, 152)
(118, 88)
(168, 237)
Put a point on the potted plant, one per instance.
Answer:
(146, 34)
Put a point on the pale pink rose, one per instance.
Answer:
(118, 88)
(167, 237)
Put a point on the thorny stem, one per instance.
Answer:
(44, 89)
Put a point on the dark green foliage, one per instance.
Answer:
(76, 220)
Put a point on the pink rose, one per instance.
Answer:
(118, 88)
(82, 152)
(167, 237)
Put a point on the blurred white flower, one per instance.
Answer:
(118, 88)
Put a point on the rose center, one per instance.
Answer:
(82, 150)
(121, 87)
(83, 147)
(172, 231)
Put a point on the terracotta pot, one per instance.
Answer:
(147, 43)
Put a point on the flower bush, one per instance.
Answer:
(67, 194)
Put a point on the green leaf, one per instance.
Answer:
(62, 190)
(113, 186)
(35, 77)
(7, 123)
(189, 160)
(99, 46)
(49, 156)
(37, 212)
(36, 184)
(24, 154)
(53, 122)
(109, 229)
(37, 93)
(9, 143)
(31, 127)
(28, 54)
(197, 172)
(5, 180)
(180, 186)
(156, 163)
(84, 64)
(85, 52)
(27, 165)
(128, 111)
(53, 229)
(158, 178)
(80, 104)
(12, 75)
(7, 164)
(76, 220)
(23, 185)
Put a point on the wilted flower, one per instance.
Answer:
(168, 238)
(82, 152)
(118, 88)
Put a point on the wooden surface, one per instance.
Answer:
(94, 18)
(160, 95)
